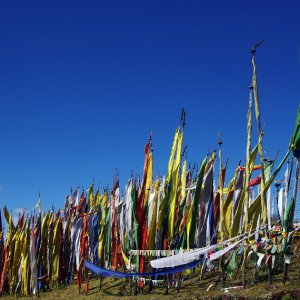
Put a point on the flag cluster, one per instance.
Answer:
(182, 210)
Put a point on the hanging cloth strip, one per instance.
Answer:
(110, 273)
(187, 257)
(220, 253)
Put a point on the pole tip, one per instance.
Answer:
(253, 49)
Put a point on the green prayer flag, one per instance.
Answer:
(289, 216)
(295, 141)
(232, 265)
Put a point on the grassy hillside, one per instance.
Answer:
(192, 288)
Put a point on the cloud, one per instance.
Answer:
(16, 212)
(20, 210)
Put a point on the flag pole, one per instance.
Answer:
(260, 130)
(221, 226)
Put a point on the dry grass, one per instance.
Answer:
(192, 288)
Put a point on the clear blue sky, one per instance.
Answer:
(82, 84)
